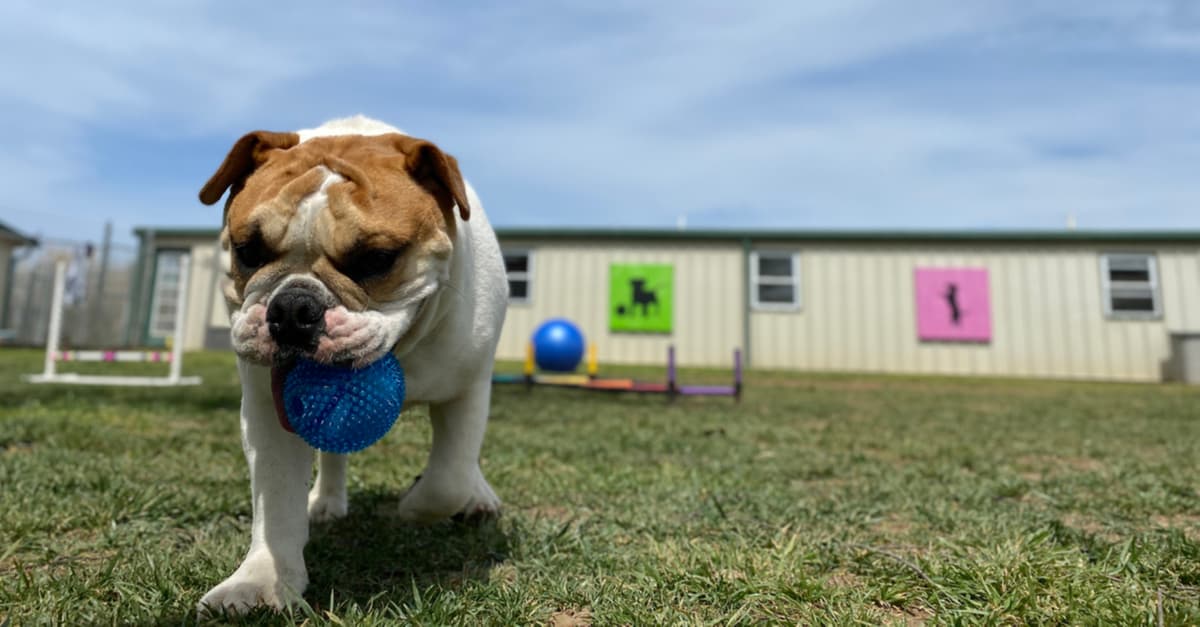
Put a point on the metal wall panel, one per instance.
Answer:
(858, 310)
(570, 280)
(1047, 313)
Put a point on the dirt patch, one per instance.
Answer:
(1082, 464)
(730, 575)
(1189, 524)
(893, 615)
(843, 579)
(1090, 526)
(893, 525)
(1039, 467)
(581, 617)
(553, 512)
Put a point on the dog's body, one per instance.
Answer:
(349, 241)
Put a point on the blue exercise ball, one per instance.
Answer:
(558, 345)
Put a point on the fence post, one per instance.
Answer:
(56, 306)
(144, 265)
(97, 313)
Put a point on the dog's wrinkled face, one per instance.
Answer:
(336, 243)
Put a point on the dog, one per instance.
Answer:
(642, 296)
(344, 243)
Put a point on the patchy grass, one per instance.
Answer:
(820, 499)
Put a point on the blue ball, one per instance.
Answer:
(558, 345)
(341, 410)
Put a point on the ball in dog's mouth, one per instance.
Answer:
(337, 408)
(280, 369)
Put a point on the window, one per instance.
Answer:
(519, 266)
(775, 280)
(165, 298)
(1130, 284)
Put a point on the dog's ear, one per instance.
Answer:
(438, 172)
(247, 154)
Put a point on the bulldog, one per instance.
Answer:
(346, 242)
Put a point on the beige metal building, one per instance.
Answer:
(1070, 304)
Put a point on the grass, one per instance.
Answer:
(820, 499)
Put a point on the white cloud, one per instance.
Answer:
(836, 113)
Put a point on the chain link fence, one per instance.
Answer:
(97, 305)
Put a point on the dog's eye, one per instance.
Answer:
(370, 264)
(252, 254)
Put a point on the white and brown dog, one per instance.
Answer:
(350, 241)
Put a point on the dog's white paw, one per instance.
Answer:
(436, 497)
(256, 583)
(326, 507)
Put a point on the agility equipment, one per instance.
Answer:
(174, 357)
(342, 410)
(558, 345)
(593, 382)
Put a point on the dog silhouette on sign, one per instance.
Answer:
(951, 297)
(640, 296)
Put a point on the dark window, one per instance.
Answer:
(775, 266)
(777, 294)
(775, 280)
(516, 263)
(518, 267)
(1130, 285)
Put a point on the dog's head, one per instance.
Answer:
(335, 243)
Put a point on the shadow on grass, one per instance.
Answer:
(369, 553)
(371, 559)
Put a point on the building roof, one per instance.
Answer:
(786, 235)
(12, 236)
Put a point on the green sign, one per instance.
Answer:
(640, 297)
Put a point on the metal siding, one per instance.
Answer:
(857, 307)
(1047, 313)
(570, 280)
(200, 271)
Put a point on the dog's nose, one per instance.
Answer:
(295, 318)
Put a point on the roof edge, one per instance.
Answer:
(835, 235)
(13, 236)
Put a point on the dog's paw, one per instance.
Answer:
(482, 505)
(256, 583)
(432, 498)
(326, 507)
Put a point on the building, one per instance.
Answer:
(1069, 304)
(10, 241)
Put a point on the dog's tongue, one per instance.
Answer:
(278, 376)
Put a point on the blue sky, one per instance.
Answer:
(813, 114)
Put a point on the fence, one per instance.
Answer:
(100, 283)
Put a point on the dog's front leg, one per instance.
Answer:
(452, 482)
(273, 573)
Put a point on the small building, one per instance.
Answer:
(10, 241)
(1068, 304)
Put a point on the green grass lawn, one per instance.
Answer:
(819, 499)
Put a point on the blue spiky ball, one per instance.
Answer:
(342, 410)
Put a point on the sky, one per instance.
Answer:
(842, 114)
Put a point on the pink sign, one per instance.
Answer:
(953, 305)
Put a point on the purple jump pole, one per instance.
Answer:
(737, 374)
(706, 390)
(671, 387)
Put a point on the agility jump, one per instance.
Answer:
(54, 355)
(593, 382)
